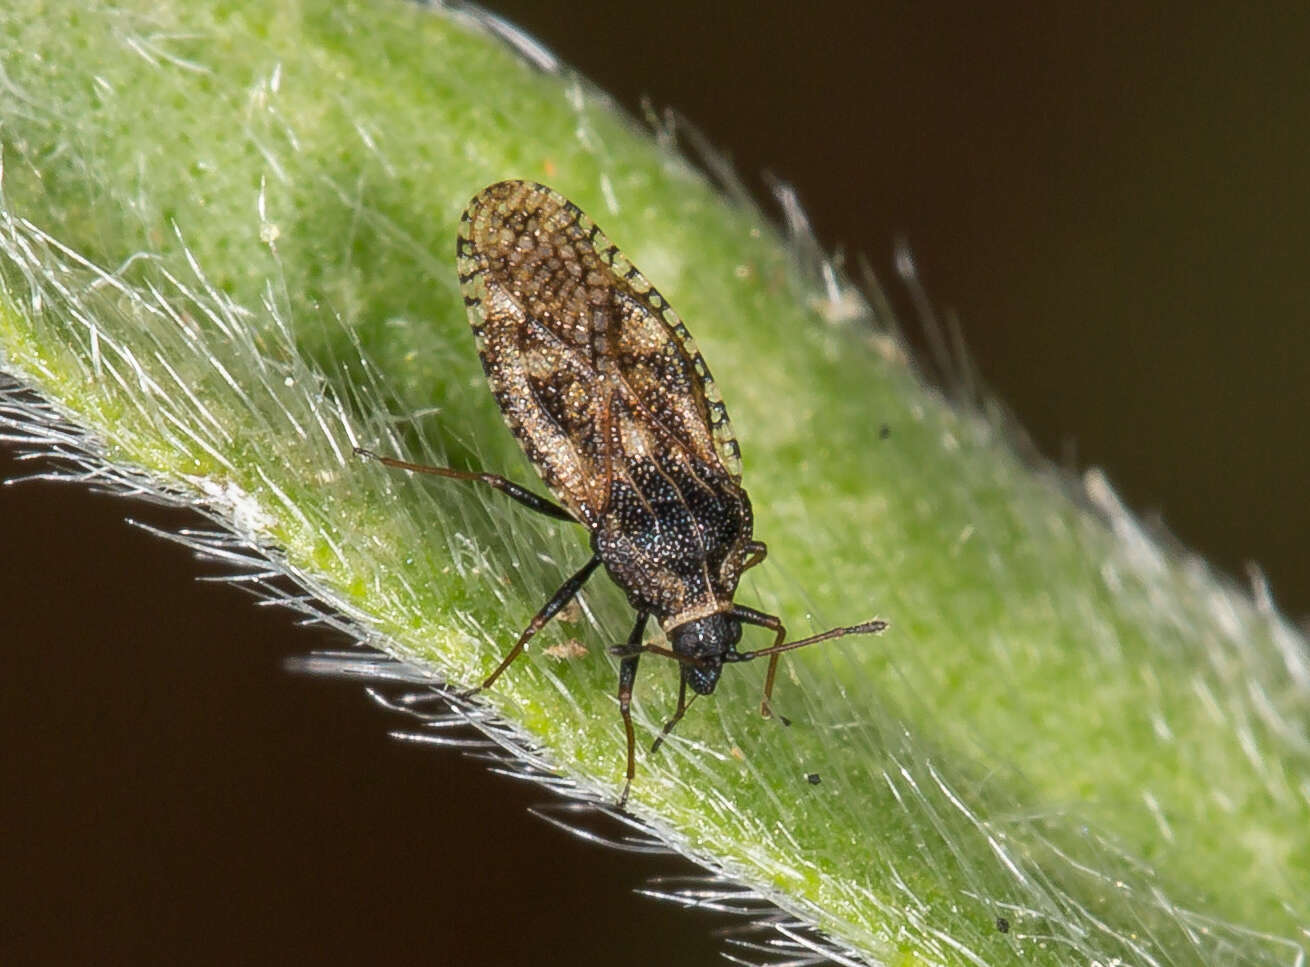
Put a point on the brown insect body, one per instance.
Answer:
(606, 392)
(604, 388)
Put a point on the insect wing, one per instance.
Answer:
(588, 363)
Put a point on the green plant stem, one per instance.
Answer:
(228, 237)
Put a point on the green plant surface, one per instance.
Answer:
(228, 254)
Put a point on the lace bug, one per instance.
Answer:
(606, 392)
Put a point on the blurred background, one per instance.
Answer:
(1114, 201)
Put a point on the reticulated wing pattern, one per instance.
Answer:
(579, 349)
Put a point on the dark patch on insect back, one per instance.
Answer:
(606, 392)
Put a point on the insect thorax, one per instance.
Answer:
(674, 537)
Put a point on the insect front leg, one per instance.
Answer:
(627, 676)
(756, 552)
(677, 715)
(507, 487)
(561, 597)
(774, 624)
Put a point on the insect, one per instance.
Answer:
(607, 394)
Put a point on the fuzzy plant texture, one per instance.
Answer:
(227, 256)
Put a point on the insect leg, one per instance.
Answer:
(757, 551)
(751, 616)
(507, 487)
(561, 597)
(683, 705)
(774, 624)
(628, 675)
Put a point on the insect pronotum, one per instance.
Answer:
(607, 394)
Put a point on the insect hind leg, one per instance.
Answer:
(756, 552)
(494, 480)
(560, 598)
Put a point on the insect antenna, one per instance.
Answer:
(867, 628)
(625, 651)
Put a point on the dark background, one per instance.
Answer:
(1117, 204)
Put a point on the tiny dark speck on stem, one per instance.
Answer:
(813, 778)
